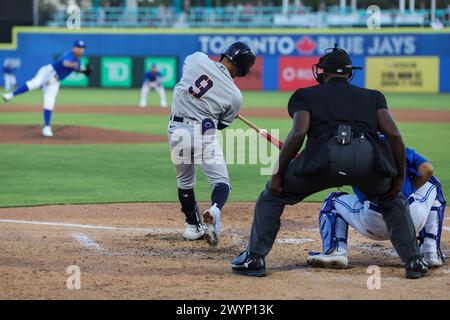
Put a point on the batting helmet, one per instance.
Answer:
(241, 56)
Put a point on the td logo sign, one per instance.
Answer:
(116, 71)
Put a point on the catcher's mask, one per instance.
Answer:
(335, 60)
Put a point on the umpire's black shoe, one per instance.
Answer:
(249, 264)
(416, 268)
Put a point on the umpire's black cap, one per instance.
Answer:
(337, 61)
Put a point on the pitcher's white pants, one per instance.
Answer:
(46, 78)
(146, 87)
(10, 81)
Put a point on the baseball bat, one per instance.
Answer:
(277, 143)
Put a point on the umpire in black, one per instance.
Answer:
(341, 122)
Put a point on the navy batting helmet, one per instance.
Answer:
(241, 56)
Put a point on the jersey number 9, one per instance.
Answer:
(202, 84)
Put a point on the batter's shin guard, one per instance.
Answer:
(220, 194)
(189, 205)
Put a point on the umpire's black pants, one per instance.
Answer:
(353, 166)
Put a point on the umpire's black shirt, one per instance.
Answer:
(338, 102)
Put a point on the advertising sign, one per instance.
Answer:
(116, 72)
(403, 74)
(295, 73)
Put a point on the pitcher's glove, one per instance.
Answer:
(88, 70)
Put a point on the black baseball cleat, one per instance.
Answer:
(249, 264)
(416, 268)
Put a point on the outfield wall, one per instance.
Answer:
(413, 60)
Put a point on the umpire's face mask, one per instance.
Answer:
(318, 74)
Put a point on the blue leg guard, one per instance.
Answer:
(440, 215)
(333, 228)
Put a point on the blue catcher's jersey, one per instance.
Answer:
(59, 67)
(152, 76)
(413, 162)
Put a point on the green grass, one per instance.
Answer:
(43, 174)
(252, 99)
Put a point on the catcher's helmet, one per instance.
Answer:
(335, 60)
(241, 56)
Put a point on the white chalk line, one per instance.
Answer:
(294, 240)
(151, 231)
(86, 242)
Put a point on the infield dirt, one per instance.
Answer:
(136, 251)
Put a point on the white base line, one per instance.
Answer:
(446, 228)
(152, 231)
(86, 242)
(294, 240)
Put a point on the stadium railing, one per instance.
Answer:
(245, 17)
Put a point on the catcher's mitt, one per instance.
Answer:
(88, 71)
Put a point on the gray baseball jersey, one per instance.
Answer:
(206, 90)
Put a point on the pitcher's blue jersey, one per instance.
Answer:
(413, 162)
(63, 71)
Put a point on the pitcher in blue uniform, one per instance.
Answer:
(48, 77)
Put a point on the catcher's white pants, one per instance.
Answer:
(146, 87)
(369, 223)
(10, 81)
(46, 78)
(188, 148)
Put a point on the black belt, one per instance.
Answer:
(356, 135)
(180, 119)
(359, 135)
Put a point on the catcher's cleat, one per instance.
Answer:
(194, 231)
(211, 218)
(416, 268)
(335, 260)
(433, 259)
(249, 264)
(47, 132)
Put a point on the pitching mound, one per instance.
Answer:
(136, 251)
(31, 134)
